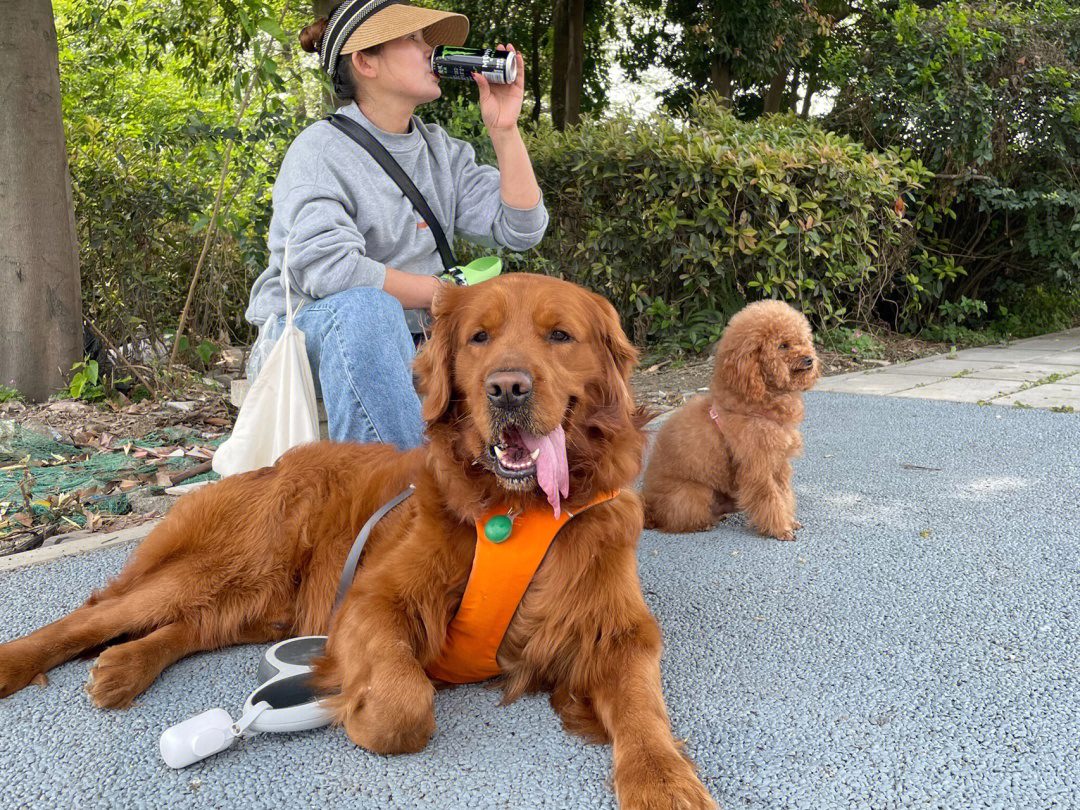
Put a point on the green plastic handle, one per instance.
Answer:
(480, 269)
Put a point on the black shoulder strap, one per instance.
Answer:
(397, 174)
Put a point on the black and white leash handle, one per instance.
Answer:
(398, 175)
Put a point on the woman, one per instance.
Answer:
(360, 255)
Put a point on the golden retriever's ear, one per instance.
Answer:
(624, 356)
(740, 368)
(433, 363)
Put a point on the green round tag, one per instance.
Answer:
(498, 528)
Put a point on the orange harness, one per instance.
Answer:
(501, 573)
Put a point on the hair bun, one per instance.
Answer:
(311, 36)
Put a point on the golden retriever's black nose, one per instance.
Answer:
(808, 362)
(509, 389)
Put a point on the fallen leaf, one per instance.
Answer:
(86, 438)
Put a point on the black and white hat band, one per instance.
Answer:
(346, 18)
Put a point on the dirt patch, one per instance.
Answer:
(69, 465)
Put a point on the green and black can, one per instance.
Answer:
(498, 67)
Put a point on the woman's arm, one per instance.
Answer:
(500, 106)
(413, 291)
(517, 183)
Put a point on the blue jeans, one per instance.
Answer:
(361, 354)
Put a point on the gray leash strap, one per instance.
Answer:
(361, 539)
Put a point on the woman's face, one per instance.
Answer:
(403, 68)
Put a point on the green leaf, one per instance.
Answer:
(273, 29)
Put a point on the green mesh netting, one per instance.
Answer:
(57, 468)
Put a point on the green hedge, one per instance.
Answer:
(680, 223)
(987, 95)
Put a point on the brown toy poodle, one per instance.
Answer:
(731, 449)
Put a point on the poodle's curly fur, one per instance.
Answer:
(704, 466)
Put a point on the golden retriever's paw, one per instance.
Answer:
(796, 526)
(668, 784)
(113, 682)
(394, 714)
(15, 674)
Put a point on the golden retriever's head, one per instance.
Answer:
(526, 394)
(766, 350)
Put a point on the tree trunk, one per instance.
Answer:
(720, 74)
(575, 63)
(534, 72)
(560, 56)
(775, 94)
(811, 88)
(40, 307)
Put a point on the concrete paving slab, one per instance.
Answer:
(943, 366)
(1064, 341)
(1051, 395)
(878, 382)
(962, 389)
(1027, 372)
(1049, 345)
(1006, 354)
(1071, 358)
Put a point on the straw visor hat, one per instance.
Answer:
(359, 24)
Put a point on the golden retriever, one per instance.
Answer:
(256, 557)
(731, 450)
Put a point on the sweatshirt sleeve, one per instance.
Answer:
(482, 216)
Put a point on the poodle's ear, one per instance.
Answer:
(623, 355)
(740, 368)
(434, 363)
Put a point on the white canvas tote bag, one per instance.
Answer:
(279, 410)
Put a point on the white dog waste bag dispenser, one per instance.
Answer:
(283, 701)
(279, 410)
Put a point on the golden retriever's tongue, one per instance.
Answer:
(552, 471)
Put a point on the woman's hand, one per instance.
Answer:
(500, 104)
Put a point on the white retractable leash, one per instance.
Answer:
(284, 700)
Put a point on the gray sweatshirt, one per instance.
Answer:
(346, 220)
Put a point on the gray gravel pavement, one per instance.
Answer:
(917, 646)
